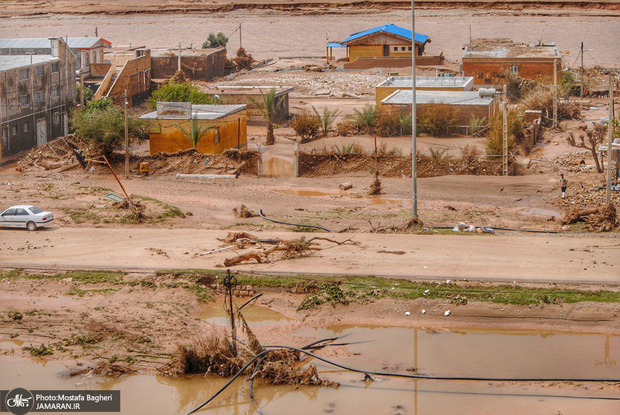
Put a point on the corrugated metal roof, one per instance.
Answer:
(43, 42)
(204, 112)
(429, 82)
(335, 45)
(391, 29)
(17, 61)
(405, 97)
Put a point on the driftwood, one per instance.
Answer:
(599, 219)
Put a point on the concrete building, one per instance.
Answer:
(423, 83)
(87, 50)
(196, 64)
(491, 61)
(235, 95)
(36, 92)
(129, 72)
(476, 103)
(166, 135)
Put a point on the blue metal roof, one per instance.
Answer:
(390, 29)
(335, 45)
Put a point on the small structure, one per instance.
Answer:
(36, 93)
(196, 64)
(228, 122)
(128, 73)
(481, 104)
(491, 61)
(230, 95)
(423, 83)
(88, 50)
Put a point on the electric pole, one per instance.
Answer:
(505, 141)
(610, 127)
(414, 183)
(126, 137)
(555, 94)
(581, 53)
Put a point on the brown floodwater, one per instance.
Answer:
(214, 313)
(467, 353)
(308, 192)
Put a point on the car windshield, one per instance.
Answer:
(35, 210)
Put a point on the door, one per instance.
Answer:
(386, 50)
(41, 132)
(7, 218)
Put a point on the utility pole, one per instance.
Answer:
(126, 137)
(240, 38)
(610, 127)
(179, 64)
(414, 183)
(555, 94)
(82, 88)
(96, 32)
(581, 53)
(505, 141)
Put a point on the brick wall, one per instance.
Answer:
(488, 72)
(135, 78)
(197, 68)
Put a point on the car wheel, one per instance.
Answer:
(31, 226)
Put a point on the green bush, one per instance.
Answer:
(102, 125)
(215, 41)
(476, 125)
(439, 120)
(367, 118)
(172, 91)
(327, 119)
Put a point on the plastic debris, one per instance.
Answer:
(407, 313)
(423, 311)
(447, 313)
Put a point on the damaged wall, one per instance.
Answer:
(197, 65)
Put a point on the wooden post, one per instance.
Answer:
(81, 87)
(610, 127)
(505, 142)
(126, 137)
(240, 38)
(581, 53)
(179, 63)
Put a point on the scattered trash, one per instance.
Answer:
(447, 281)
(447, 313)
(407, 313)
(423, 311)
(345, 186)
(427, 292)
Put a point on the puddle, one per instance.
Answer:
(379, 200)
(10, 344)
(469, 353)
(308, 192)
(256, 315)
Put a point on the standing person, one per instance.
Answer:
(563, 184)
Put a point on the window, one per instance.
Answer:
(24, 74)
(395, 48)
(4, 133)
(514, 70)
(35, 210)
(9, 212)
(40, 70)
(56, 118)
(14, 130)
(56, 67)
(403, 48)
(40, 97)
(217, 135)
(26, 126)
(410, 48)
(56, 92)
(24, 100)
(21, 212)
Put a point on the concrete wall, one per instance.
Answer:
(99, 70)
(232, 134)
(196, 68)
(51, 95)
(254, 115)
(382, 92)
(134, 77)
(493, 71)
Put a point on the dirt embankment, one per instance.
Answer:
(125, 7)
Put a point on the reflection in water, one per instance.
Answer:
(470, 353)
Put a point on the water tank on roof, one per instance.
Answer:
(487, 92)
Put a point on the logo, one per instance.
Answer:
(19, 401)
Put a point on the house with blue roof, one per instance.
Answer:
(382, 41)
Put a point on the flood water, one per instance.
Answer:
(466, 353)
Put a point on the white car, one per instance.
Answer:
(25, 216)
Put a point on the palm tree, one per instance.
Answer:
(195, 131)
(268, 108)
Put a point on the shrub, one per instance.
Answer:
(476, 125)
(306, 125)
(103, 127)
(439, 154)
(438, 119)
(346, 127)
(470, 153)
(327, 119)
(540, 97)
(172, 91)
(405, 122)
(495, 139)
(215, 41)
(88, 94)
(366, 119)
(347, 149)
(388, 122)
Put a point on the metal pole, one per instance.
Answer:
(81, 88)
(555, 93)
(505, 142)
(581, 52)
(126, 137)
(414, 184)
(610, 127)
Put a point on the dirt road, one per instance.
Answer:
(475, 257)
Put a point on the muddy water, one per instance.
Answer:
(215, 314)
(308, 192)
(471, 353)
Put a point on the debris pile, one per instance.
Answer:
(231, 161)
(243, 212)
(598, 219)
(56, 154)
